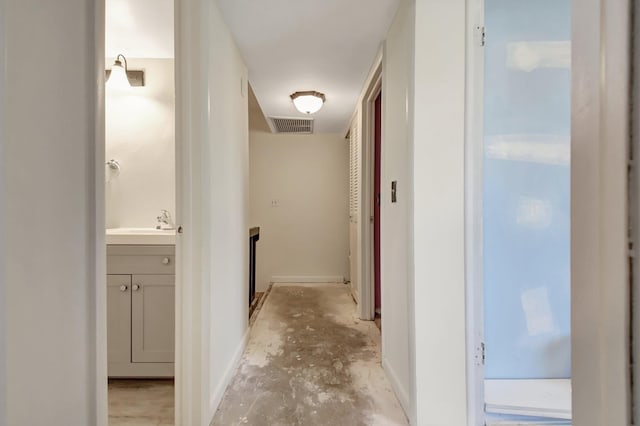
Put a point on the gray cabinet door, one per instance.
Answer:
(119, 318)
(153, 318)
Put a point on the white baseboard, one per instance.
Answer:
(307, 279)
(401, 393)
(218, 394)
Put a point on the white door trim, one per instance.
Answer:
(191, 363)
(189, 368)
(599, 259)
(635, 220)
(366, 304)
(474, 149)
(102, 404)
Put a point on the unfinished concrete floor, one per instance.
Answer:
(141, 402)
(310, 361)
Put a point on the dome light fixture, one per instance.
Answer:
(308, 102)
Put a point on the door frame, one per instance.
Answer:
(191, 357)
(190, 368)
(366, 305)
(101, 355)
(634, 214)
(600, 283)
(474, 148)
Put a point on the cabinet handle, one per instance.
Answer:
(166, 261)
(136, 287)
(123, 288)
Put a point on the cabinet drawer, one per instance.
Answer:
(129, 260)
(158, 265)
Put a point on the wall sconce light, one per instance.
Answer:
(308, 102)
(120, 77)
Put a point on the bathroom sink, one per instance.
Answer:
(143, 236)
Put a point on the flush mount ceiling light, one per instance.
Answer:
(119, 77)
(308, 102)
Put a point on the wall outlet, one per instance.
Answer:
(275, 203)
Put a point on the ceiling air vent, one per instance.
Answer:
(292, 125)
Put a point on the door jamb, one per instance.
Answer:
(186, 403)
(600, 294)
(99, 201)
(191, 368)
(474, 146)
(367, 282)
(634, 215)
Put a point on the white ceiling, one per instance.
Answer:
(288, 45)
(139, 28)
(323, 45)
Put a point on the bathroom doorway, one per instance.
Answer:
(140, 200)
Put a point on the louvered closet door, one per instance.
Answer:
(354, 205)
(354, 173)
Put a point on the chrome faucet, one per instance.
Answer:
(165, 221)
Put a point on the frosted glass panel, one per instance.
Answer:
(526, 189)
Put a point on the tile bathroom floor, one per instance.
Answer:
(141, 402)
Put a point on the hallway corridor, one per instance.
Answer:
(310, 361)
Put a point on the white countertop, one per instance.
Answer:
(140, 236)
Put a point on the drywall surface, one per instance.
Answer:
(300, 199)
(140, 28)
(225, 211)
(526, 193)
(438, 213)
(396, 166)
(49, 242)
(140, 135)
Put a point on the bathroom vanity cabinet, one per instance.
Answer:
(140, 310)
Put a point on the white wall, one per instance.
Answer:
(307, 233)
(212, 253)
(227, 203)
(140, 135)
(438, 100)
(50, 240)
(395, 223)
(140, 28)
